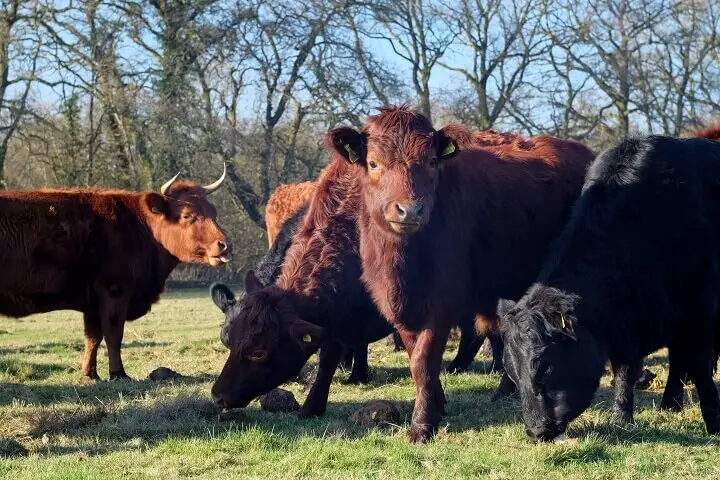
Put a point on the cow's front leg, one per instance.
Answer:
(425, 366)
(316, 401)
(625, 374)
(470, 343)
(93, 337)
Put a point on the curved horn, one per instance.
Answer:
(214, 186)
(164, 189)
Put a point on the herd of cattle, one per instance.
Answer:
(564, 259)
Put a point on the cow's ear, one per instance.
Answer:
(252, 283)
(157, 203)
(348, 143)
(445, 143)
(222, 296)
(306, 334)
(560, 325)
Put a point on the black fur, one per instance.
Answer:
(635, 269)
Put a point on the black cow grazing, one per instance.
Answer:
(268, 270)
(634, 270)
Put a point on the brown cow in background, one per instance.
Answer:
(106, 253)
(448, 227)
(285, 201)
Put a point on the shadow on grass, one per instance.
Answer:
(643, 432)
(64, 347)
(23, 371)
(101, 428)
(100, 391)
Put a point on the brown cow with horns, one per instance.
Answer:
(106, 253)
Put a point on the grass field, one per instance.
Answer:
(144, 429)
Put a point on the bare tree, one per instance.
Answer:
(415, 34)
(606, 40)
(685, 44)
(20, 49)
(500, 40)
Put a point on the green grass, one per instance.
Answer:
(144, 429)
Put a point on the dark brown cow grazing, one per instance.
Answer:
(317, 302)
(285, 201)
(106, 253)
(447, 228)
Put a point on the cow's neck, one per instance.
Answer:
(389, 264)
(308, 307)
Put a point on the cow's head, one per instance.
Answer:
(184, 222)
(555, 363)
(268, 342)
(401, 154)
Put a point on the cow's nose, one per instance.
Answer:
(408, 211)
(224, 246)
(218, 401)
(541, 433)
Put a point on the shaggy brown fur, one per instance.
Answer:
(317, 302)
(480, 221)
(106, 253)
(283, 203)
(712, 132)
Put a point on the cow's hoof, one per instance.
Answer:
(671, 406)
(114, 377)
(354, 379)
(621, 418)
(421, 434)
(90, 379)
(714, 429)
(308, 411)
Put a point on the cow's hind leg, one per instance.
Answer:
(397, 341)
(625, 374)
(673, 395)
(425, 366)
(360, 371)
(701, 372)
(114, 314)
(316, 401)
(470, 343)
(497, 346)
(93, 337)
(347, 357)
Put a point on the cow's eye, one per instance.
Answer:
(257, 355)
(188, 217)
(373, 165)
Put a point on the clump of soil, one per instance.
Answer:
(163, 373)
(377, 413)
(279, 400)
(10, 448)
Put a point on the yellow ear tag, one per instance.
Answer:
(448, 150)
(351, 153)
(307, 338)
(562, 319)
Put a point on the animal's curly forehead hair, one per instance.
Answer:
(258, 318)
(399, 129)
